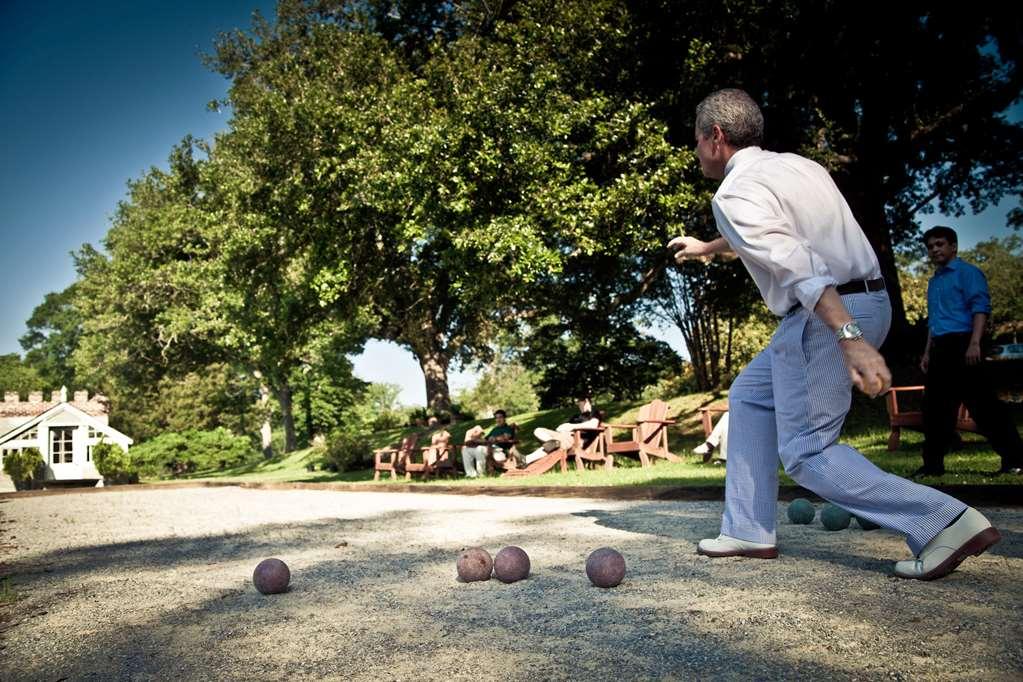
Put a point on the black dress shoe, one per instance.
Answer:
(927, 471)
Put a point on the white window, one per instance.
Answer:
(93, 433)
(61, 444)
(31, 435)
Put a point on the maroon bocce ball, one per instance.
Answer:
(605, 567)
(511, 564)
(271, 576)
(474, 564)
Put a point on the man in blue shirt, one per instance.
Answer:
(958, 307)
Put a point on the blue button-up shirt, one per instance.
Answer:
(955, 293)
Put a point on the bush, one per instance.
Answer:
(506, 386)
(114, 464)
(26, 468)
(670, 386)
(180, 453)
(347, 451)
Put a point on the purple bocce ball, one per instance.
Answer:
(605, 567)
(271, 576)
(511, 564)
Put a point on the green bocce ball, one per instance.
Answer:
(801, 511)
(835, 518)
(867, 525)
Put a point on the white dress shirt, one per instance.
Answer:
(785, 218)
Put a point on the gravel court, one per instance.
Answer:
(149, 585)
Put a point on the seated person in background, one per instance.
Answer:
(474, 453)
(501, 439)
(587, 418)
(438, 440)
(717, 440)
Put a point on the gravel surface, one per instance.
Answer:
(157, 584)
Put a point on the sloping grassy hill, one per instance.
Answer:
(866, 429)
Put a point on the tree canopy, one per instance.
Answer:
(439, 174)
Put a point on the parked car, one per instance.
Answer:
(1007, 351)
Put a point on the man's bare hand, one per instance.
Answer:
(973, 353)
(687, 248)
(867, 368)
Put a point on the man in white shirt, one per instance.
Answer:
(784, 217)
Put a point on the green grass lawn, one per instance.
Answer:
(866, 430)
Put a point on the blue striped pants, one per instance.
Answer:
(790, 403)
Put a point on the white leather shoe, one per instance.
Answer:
(970, 535)
(724, 545)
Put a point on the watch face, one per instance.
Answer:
(850, 330)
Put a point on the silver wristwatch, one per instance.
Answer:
(850, 331)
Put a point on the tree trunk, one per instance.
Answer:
(307, 407)
(283, 393)
(867, 205)
(435, 370)
(265, 429)
(865, 191)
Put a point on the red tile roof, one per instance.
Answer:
(96, 406)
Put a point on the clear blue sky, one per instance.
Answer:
(96, 93)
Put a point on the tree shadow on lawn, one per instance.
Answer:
(395, 615)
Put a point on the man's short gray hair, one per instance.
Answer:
(735, 113)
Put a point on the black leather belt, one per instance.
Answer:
(860, 286)
(857, 286)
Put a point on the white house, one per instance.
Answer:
(63, 431)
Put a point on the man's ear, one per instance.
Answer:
(718, 135)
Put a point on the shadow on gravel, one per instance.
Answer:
(177, 552)
(402, 615)
(651, 520)
(1011, 545)
(797, 542)
(185, 608)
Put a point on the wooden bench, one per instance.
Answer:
(914, 419)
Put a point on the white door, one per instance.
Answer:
(61, 456)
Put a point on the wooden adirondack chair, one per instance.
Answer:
(706, 416)
(548, 461)
(595, 451)
(649, 434)
(434, 458)
(393, 459)
(509, 463)
(899, 419)
(444, 456)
